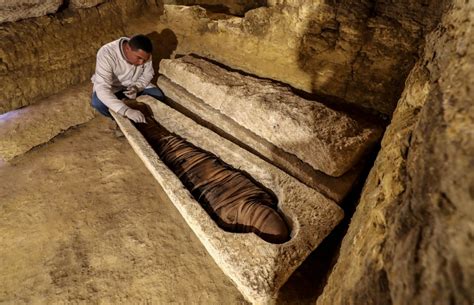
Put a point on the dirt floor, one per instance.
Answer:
(83, 221)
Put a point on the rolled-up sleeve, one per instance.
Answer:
(103, 83)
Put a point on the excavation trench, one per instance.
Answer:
(232, 198)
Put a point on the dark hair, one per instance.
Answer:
(141, 42)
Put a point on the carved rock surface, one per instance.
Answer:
(23, 129)
(84, 3)
(45, 55)
(327, 140)
(358, 51)
(13, 10)
(412, 237)
(234, 7)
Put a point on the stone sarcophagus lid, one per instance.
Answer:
(287, 144)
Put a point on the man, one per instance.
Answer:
(124, 70)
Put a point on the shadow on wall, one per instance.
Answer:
(323, 55)
(354, 68)
(363, 53)
(164, 44)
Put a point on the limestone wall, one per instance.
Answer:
(13, 10)
(358, 51)
(234, 7)
(411, 238)
(85, 3)
(44, 55)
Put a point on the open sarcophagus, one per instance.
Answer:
(258, 267)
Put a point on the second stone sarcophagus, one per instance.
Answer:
(194, 86)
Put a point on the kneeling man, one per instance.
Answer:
(124, 69)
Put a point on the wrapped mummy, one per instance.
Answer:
(231, 197)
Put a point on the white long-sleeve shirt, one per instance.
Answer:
(113, 73)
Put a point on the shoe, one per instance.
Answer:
(117, 131)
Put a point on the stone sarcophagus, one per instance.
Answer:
(283, 142)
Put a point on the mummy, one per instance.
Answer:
(235, 201)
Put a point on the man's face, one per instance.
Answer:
(136, 58)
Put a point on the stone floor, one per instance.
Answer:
(83, 221)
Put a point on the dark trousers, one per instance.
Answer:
(104, 110)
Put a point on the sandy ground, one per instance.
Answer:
(82, 221)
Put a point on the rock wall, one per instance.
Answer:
(356, 51)
(352, 51)
(410, 240)
(42, 56)
(234, 7)
(13, 10)
(84, 3)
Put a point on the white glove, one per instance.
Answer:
(135, 115)
(132, 92)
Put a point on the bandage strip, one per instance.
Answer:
(235, 202)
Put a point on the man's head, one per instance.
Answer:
(138, 50)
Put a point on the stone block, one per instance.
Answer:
(327, 140)
(25, 128)
(257, 268)
(182, 100)
(84, 3)
(13, 10)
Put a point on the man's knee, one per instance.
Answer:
(99, 106)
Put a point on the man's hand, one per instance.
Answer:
(132, 92)
(135, 115)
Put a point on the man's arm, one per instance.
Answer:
(144, 80)
(103, 83)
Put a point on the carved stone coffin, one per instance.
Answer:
(328, 140)
(333, 187)
(258, 268)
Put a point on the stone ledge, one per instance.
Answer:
(84, 3)
(328, 140)
(182, 100)
(22, 9)
(25, 128)
(257, 268)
